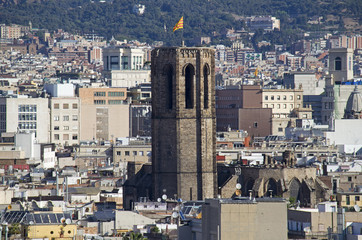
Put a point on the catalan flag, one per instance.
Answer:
(179, 24)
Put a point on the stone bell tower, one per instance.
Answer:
(183, 123)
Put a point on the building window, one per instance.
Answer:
(278, 106)
(280, 129)
(65, 127)
(284, 97)
(189, 86)
(356, 198)
(284, 106)
(206, 86)
(75, 117)
(278, 97)
(118, 153)
(291, 106)
(291, 97)
(75, 137)
(56, 105)
(124, 62)
(272, 97)
(298, 97)
(56, 136)
(266, 105)
(56, 127)
(266, 97)
(99, 102)
(337, 64)
(65, 136)
(114, 63)
(99, 94)
(115, 94)
(140, 153)
(134, 153)
(65, 106)
(126, 153)
(112, 102)
(348, 202)
(75, 106)
(27, 108)
(66, 118)
(255, 124)
(272, 106)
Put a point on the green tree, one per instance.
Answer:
(14, 229)
(134, 236)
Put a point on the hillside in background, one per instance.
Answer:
(201, 17)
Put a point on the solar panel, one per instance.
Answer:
(53, 218)
(14, 216)
(37, 218)
(59, 217)
(45, 218)
(30, 217)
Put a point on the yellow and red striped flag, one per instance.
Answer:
(179, 24)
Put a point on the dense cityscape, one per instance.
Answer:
(122, 139)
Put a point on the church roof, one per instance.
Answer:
(354, 103)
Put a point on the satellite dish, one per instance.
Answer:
(31, 223)
(62, 220)
(174, 214)
(159, 199)
(179, 200)
(164, 196)
(357, 208)
(238, 186)
(68, 221)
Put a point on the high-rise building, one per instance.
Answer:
(183, 123)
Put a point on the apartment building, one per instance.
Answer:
(105, 113)
(282, 102)
(10, 32)
(64, 121)
(24, 114)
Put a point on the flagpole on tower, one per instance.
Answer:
(182, 34)
(180, 25)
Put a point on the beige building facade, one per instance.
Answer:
(132, 153)
(282, 102)
(104, 113)
(233, 219)
(64, 121)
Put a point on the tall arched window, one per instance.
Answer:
(337, 64)
(206, 86)
(169, 86)
(189, 86)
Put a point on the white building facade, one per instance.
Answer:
(23, 114)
